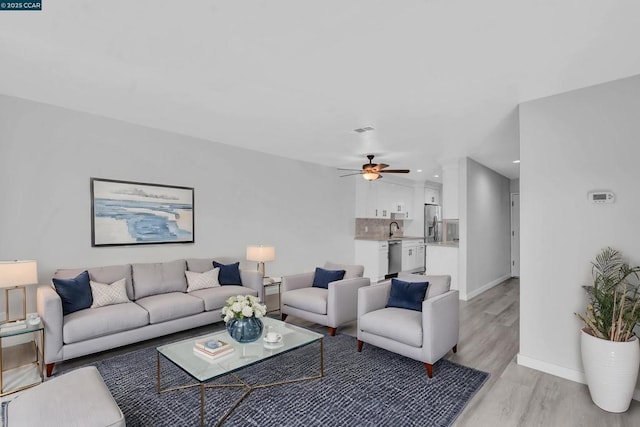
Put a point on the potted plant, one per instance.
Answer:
(610, 350)
(242, 315)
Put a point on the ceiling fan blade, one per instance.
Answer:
(380, 166)
(343, 169)
(396, 171)
(351, 174)
(375, 168)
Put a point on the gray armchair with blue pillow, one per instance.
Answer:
(327, 296)
(401, 317)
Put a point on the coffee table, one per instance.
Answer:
(203, 371)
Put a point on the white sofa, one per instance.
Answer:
(159, 306)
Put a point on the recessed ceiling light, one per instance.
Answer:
(436, 176)
(419, 170)
(516, 161)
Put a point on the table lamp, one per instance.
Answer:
(17, 275)
(260, 254)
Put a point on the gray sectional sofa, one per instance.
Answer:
(159, 306)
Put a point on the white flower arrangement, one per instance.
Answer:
(242, 306)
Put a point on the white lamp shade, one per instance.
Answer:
(18, 273)
(261, 253)
(370, 176)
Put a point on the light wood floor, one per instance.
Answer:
(515, 395)
(489, 340)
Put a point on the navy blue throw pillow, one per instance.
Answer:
(75, 293)
(229, 273)
(407, 294)
(322, 277)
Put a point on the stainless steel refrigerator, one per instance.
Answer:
(432, 223)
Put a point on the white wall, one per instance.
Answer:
(570, 144)
(515, 185)
(451, 190)
(487, 245)
(242, 197)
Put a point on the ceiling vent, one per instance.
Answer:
(364, 129)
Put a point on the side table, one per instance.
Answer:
(22, 363)
(269, 282)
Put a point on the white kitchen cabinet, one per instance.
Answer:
(372, 200)
(442, 259)
(431, 196)
(366, 199)
(408, 257)
(402, 197)
(376, 199)
(412, 255)
(383, 260)
(374, 256)
(385, 199)
(420, 256)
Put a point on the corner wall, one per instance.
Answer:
(571, 144)
(242, 197)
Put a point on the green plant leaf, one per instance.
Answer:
(614, 297)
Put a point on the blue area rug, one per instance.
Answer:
(375, 387)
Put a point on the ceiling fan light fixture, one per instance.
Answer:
(370, 176)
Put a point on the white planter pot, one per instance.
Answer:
(611, 369)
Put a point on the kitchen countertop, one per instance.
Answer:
(382, 239)
(444, 244)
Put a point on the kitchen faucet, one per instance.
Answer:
(391, 228)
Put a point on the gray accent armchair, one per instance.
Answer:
(425, 336)
(332, 307)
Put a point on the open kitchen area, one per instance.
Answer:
(399, 228)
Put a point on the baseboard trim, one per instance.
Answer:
(559, 371)
(467, 296)
(549, 368)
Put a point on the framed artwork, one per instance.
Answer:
(136, 213)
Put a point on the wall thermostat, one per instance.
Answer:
(602, 197)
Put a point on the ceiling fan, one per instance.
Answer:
(372, 171)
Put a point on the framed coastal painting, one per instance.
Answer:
(136, 213)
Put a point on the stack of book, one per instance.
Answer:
(212, 349)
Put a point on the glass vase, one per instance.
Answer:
(245, 330)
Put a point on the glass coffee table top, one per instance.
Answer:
(181, 352)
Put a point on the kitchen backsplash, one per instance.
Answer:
(376, 228)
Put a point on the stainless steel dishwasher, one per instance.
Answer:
(395, 256)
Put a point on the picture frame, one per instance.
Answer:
(127, 213)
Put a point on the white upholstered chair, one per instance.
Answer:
(425, 336)
(331, 307)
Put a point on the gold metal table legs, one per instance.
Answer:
(248, 388)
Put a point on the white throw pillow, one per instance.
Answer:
(197, 281)
(104, 294)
